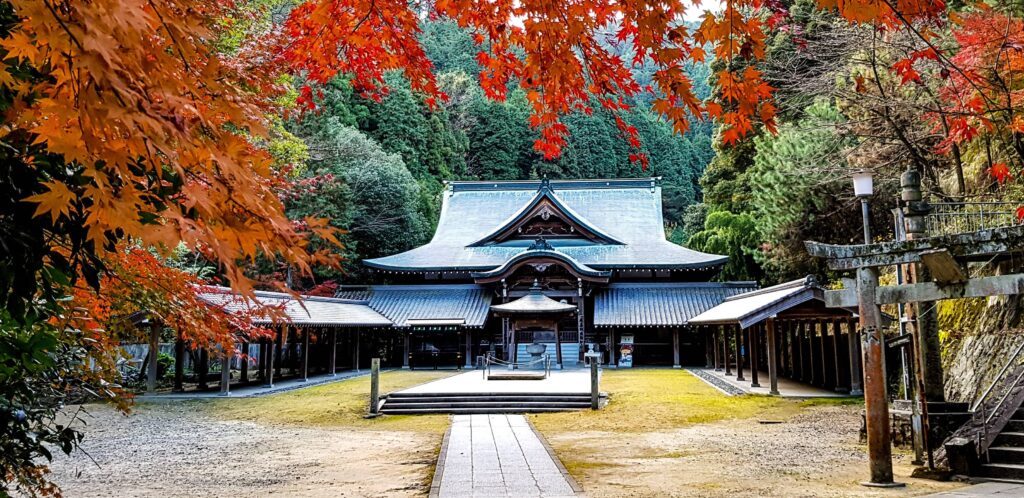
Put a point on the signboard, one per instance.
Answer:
(900, 341)
(626, 351)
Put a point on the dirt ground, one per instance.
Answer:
(667, 434)
(311, 442)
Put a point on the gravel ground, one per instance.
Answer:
(174, 449)
(813, 454)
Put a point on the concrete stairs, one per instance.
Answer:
(570, 353)
(1006, 455)
(468, 403)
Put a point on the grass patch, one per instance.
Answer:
(645, 400)
(338, 404)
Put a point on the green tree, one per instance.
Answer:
(733, 235)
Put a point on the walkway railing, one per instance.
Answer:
(962, 217)
(490, 359)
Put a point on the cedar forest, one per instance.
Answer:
(151, 147)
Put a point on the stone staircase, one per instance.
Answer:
(464, 403)
(570, 353)
(1006, 455)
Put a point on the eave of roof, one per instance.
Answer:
(541, 253)
(752, 307)
(661, 304)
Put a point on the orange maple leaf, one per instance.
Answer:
(56, 201)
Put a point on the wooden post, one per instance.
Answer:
(405, 347)
(334, 352)
(359, 336)
(595, 387)
(739, 354)
(773, 374)
(374, 385)
(469, 348)
(675, 348)
(154, 354)
(753, 354)
(204, 369)
(876, 404)
(244, 363)
(714, 348)
(179, 363)
(268, 381)
(856, 375)
(837, 371)
(823, 347)
(279, 347)
(558, 347)
(305, 353)
(801, 371)
(725, 349)
(225, 372)
(708, 353)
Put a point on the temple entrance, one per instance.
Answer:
(533, 331)
(434, 350)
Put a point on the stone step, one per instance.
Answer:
(1014, 425)
(469, 411)
(485, 395)
(1002, 471)
(469, 399)
(1006, 454)
(1009, 438)
(489, 404)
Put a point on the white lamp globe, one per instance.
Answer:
(863, 186)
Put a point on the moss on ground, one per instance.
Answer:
(644, 400)
(338, 404)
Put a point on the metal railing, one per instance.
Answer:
(962, 217)
(988, 413)
(492, 360)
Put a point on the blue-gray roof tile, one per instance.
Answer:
(629, 211)
(402, 303)
(660, 304)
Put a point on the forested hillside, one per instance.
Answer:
(376, 166)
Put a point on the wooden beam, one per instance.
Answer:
(753, 352)
(931, 291)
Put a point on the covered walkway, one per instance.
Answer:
(787, 332)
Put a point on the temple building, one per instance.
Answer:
(574, 265)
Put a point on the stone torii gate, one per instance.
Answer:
(945, 259)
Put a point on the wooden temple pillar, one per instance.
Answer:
(753, 353)
(225, 370)
(675, 348)
(826, 380)
(332, 360)
(713, 331)
(280, 350)
(204, 369)
(558, 346)
(268, 365)
(841, 382)
(406, 353)
(773, 373)
(469, 348)
(739, 354)
(154, 355)
(305, 352)
(856, 372)
(809, 328)
(725, 349)
(179, 364)
(798, 329)
(243, 360)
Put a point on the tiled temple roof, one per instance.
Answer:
(660, 304)
(626, 212)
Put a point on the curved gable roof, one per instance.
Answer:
(627, 211)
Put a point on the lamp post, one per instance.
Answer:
(876, 401)
(863, 188)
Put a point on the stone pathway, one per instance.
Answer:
(497, 456)
(996, 489)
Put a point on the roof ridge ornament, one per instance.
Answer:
(545, 184)
(541, 245)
